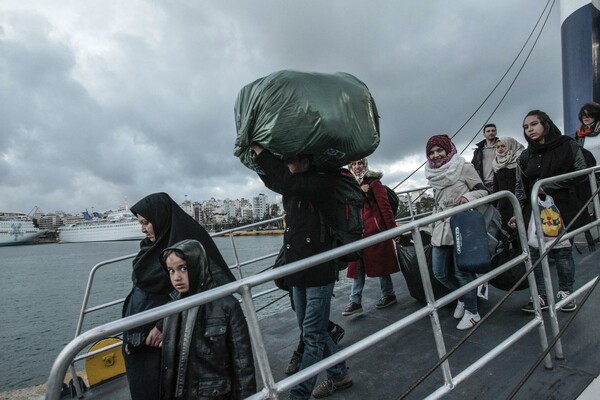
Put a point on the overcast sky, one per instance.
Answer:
(106, 101)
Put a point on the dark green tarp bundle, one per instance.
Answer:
(331, 116)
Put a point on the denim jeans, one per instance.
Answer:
(312, 312)
(358, 284)
(440, 257)
(565, 268)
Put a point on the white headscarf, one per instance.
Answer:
(509, 158)
(446, 174)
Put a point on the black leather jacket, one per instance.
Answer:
(206, 350)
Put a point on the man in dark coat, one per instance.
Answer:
(308, 199)
(484, 154)
(206, 350)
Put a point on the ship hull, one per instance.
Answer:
(101, 232)
(16, 233)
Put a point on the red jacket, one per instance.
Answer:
(380, 259)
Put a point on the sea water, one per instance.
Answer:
(42, 288)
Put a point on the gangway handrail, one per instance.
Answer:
(244, 286)
(85, 310)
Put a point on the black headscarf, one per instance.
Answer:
(199, 275)
(171, 225)
(556, 155)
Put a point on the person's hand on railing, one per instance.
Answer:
(154, 338)
(512, 222)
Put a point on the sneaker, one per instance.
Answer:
(337, 333)
(294, 364)
(329, 386)
(386, 301)
(352, 308)
(468, 321)
(528, 308)
(568, 307)
(459, 311)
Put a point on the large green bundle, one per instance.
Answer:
(331, 116)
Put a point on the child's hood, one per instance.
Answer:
(198, 270)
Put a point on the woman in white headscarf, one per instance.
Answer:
(504, 164)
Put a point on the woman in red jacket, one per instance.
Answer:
(379, 260)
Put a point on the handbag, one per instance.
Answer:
(552, 224)
(471, 248)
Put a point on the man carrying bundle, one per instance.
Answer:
(307, 196)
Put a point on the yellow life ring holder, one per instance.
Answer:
(105, 365)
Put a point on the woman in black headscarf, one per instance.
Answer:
(164, 224)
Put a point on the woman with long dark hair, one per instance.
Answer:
(588, 134)
(550, 153)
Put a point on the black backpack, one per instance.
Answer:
(590, 160)
(347, 224)
(393, 199)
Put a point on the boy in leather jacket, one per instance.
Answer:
(206, 350)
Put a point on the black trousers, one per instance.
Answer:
(143, 373)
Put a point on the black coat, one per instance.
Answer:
(309, 202)
(559, 155)
(151, 285)
(505, 179)
(206, 350)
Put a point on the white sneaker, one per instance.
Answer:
(459, 311)
(468, 321)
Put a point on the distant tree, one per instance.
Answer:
(403, 210)
(425, 204)
(274, 210)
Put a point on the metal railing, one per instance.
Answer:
(408, 193)
(243, 287)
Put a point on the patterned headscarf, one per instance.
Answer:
(509, 158)
(445, 143)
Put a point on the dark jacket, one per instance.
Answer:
(151, 286)
(309, 203)
(477, 160)
(206, 350)
(505, 179)
(559, 155)
(379, 259)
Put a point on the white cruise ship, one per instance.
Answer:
(17, 231)
(121, 225)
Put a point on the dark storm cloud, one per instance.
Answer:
(101, 102)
